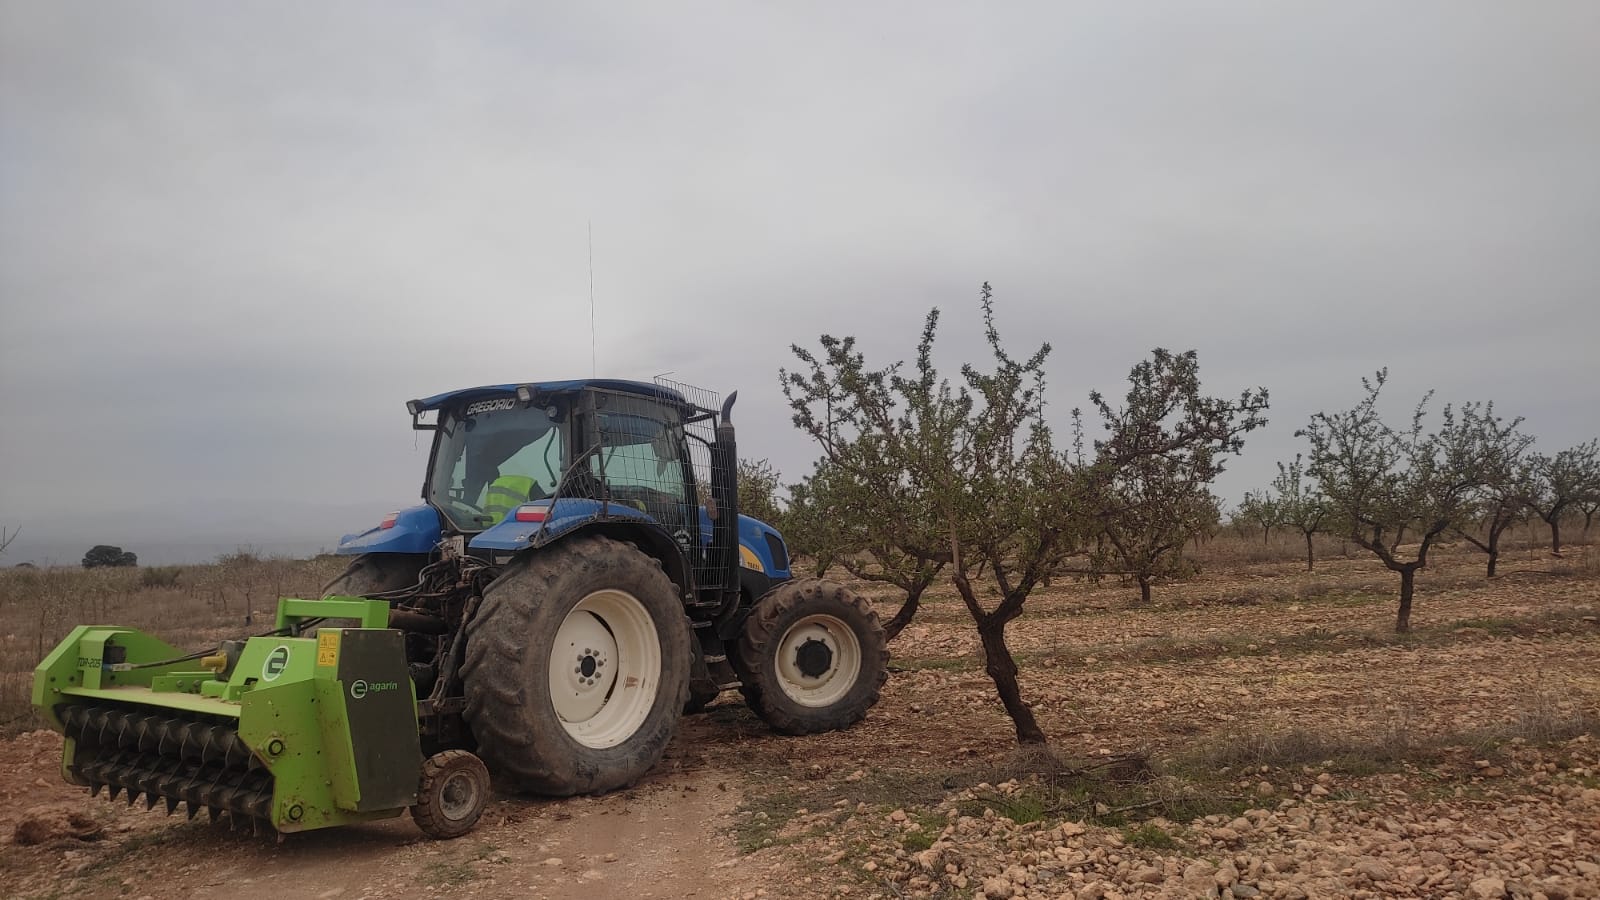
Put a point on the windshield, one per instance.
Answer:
(494, 455)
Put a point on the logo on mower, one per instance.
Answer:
(277, 661)
(361, 687)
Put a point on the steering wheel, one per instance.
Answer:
(470, 506)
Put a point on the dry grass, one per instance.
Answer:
(1231, 550)
(1540, 719)
(189, 607)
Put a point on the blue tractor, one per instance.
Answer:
(578, 577)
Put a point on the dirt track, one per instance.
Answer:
(652, 841)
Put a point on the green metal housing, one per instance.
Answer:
(292, 732)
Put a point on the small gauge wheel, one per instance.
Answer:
(453, 792)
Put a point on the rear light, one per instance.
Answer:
(389, 520)
(532, 513)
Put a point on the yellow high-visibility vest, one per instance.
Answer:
(505, 494)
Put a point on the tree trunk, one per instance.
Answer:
(1555, 535)
(1266, 537)
(1311, 559)
(1494, 548)
(1402, 622)
(1144, 589)
(902, 618)
(1003, 669)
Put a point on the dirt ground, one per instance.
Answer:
(1278, 741)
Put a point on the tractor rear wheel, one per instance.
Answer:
(812, 658)
(375, 573)
(577, 668)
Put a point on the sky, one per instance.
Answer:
(236, 238)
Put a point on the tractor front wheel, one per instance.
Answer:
(812, 658)
(577, 668)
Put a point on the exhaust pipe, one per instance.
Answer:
(725, 491)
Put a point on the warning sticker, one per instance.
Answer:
(328, 647)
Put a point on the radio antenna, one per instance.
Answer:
(592, 366)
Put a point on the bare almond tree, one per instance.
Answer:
(758, 489)
(1500, 454)
(1564, 481)
(970, 467)
(1300, 504)
(7, 537)
(1260, 508)
(1165, 447)
(965, 479)
(1394, 492)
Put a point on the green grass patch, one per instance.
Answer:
(895, 788)
(762, 817)
(1112, 791)
(448, 874)
(935, 664)
(1031, 803)
(1150, 837)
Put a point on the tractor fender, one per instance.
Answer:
(568, 518)
(415, 529)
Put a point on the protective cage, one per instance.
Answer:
(714, 560)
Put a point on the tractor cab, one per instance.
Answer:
(500, 447)
(514, 467)
(491, 456)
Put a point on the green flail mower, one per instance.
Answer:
(278, 731)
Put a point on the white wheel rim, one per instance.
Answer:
(605, 668)
(818, 661)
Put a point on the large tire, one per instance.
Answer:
(375, 573)
(554, 637)
(812, 658)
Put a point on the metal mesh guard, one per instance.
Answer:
(711, 565)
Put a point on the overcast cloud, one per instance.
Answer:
(235, 238)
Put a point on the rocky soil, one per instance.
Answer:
(1535, 836)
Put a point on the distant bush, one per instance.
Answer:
(243, 556)
(160, 576)
(107, 555)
